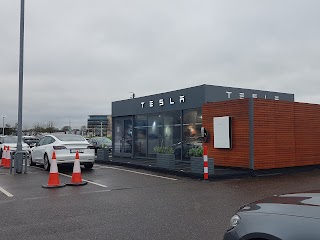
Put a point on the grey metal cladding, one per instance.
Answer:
(194, 97)
(122, 108)
(219, 93)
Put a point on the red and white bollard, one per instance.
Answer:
(205, 163)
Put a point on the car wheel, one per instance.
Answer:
(46, 163)
(88, 165)
(31, 163)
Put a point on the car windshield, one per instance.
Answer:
(29, 138)
(68, 137)
(104, 140)
(11, 140)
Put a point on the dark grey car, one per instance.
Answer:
(101, 142)
(294, 216)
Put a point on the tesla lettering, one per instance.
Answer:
(254, 95)
(161, 101)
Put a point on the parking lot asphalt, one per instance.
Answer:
(124, 203)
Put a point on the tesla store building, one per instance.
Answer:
(246, 128)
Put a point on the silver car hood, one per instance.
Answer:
(306, 204)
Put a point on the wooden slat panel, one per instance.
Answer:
(286, 134)
(274, 142)
(238, 156)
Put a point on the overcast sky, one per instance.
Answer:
(80, 55)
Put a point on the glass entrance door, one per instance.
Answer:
(123, 137)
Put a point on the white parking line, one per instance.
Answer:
(66, 175)
(6, 192)
(94, 183)
(119, 169)
(146, 174)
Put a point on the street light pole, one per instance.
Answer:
(101, 130)
(3, 124)
(18, 157)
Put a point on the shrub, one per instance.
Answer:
(104, 146)
(196, 151)
(163, 150)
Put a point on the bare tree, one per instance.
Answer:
(38, 128)
(50, 127)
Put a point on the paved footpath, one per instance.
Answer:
(124, 203)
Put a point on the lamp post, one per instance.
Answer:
(18, 157)
(3, 116)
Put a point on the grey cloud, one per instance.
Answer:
(82, 55)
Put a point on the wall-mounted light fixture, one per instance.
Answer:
(132, 95)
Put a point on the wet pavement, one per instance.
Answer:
(126, 203)
(181, 168)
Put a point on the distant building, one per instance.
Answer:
(98, 123)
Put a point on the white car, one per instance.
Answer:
(65, 147)
(11, 141)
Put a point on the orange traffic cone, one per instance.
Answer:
(7, 159)
(53, 181)
(3, 159)
(76, 179)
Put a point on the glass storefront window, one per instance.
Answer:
(155, 131)
(192, 123)
(172, 132)
(140, 136)
(122, 137)
(117, 137)
(127, 141)
(165, 130)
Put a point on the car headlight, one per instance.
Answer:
(234, 221)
